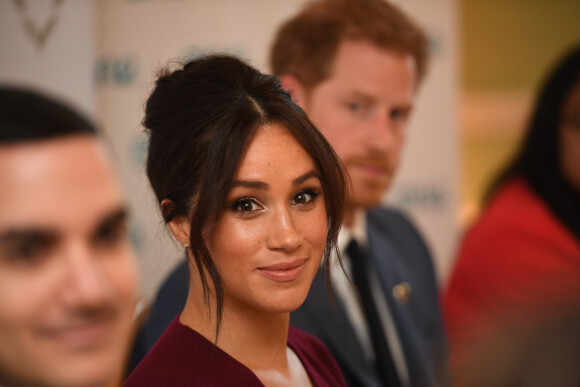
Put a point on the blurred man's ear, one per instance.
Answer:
(295, 88)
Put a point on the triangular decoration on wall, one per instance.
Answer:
(39, 32)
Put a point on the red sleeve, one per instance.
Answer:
(518, 263)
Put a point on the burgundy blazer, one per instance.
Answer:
(183, 357)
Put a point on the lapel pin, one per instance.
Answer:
(402, 292)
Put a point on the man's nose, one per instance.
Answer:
(382, 135)
(86, 283)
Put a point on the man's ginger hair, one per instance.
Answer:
(306, 45)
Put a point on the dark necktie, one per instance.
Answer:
(385, 365)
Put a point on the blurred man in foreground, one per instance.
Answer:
(67, 272)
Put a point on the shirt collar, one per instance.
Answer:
(357, 231)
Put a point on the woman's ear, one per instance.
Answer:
(179, 225)
(292, 85)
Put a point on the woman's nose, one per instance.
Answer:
(283, 233)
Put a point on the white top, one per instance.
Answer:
(353, 308)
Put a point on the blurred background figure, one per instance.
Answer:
(520, 263)
(67, 272)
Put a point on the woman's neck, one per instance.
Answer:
(257, 340)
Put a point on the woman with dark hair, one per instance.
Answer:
(254, 193)
(521, 260)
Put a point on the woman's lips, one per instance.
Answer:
(284, 272)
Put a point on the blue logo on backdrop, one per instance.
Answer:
(138, 149)
(420, 196)
(136, 236)
(117, 71)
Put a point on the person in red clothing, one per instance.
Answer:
(518, 268)
(254, 194)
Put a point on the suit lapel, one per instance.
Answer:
(391, 272)
(335, 328)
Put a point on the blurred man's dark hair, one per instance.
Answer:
(27, 115)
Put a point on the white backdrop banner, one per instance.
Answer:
(50, 45)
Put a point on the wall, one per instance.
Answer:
(50, 45)
(506, 49)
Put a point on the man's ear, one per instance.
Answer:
(295, 88)
(179, 225)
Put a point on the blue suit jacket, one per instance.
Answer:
(398, 254)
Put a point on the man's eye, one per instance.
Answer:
(30, 251)
(354, 107)
(245, 206)
(111, 233)
(27, 252)
(399, 114)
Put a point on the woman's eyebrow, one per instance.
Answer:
(250, 184)
(306, 176)
(265, 186)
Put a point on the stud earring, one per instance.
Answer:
(186, 245)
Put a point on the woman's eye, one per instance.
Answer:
(304, 197)
(245, 206)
